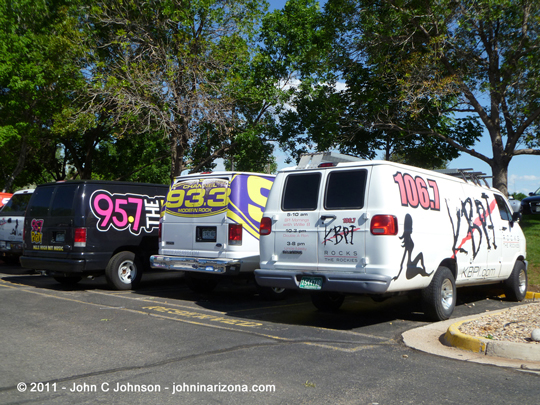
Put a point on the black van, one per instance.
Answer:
(86, 228)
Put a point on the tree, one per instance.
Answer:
(462, 63)
(36, 71)
(171, 67)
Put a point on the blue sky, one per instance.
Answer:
(523, 173)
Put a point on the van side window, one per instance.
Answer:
(345, 190)
(63, 201)
(301, 192)
(41, 199)
(503, 208)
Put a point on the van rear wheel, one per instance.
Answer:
(124, 271)
(439, 298)
(515, 288)
(327, 301)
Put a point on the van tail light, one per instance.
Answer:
(235, 234)
(159, 232)
(384, 225)
(80, 237)
(266, 226)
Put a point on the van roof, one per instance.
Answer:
(222, 173)
(104, 182)
(467, 176)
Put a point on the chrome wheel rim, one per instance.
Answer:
(447, 294)
(126, 271)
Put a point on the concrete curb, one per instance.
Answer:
(509, 350)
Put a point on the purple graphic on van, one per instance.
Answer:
(133, 212)
(247, 200)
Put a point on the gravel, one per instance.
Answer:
(512, 325)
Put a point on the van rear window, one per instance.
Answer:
(40, 201)
(301, 192)
(345, 190)
(63, 201)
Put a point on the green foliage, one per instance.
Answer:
(531, 228)
(36, 75)
(174, 68)
(518, 196)
(448, 70)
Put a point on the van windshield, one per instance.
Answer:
(16, 206)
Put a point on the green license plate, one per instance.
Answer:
(311, 283)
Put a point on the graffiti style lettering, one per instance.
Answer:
(474, 223)
(339, 234)
(133, 212)
(414, 192)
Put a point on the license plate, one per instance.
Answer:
(206, 234)
(311, 283)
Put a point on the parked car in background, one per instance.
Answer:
(531, 204)
(4, 198)
(88, 228)
(11, 225)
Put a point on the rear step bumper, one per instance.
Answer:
(354, 283)
(200, 265)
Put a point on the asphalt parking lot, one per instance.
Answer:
(166, 344)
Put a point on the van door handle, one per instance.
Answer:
(504, 228)
(325, 217)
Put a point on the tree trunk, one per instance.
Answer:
(500, 176)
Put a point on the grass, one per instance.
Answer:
(531, 228)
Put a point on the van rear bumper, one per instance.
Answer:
(52, 266)
(353, 283)
(199, 265)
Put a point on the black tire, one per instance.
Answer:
(273, 293)
(439, 298)
(69, 281)
(327, 301)
(515, 287)
(124, 271)
(201, 284)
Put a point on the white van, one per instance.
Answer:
(337, 224)
(210, 227)
(11, 225)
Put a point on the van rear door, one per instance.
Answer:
(322, 226)
(195, 217)
(342, 225)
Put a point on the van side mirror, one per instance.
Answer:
(516, 216)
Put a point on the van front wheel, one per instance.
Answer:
(439, 298)
(124, 271)
(515, 288)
